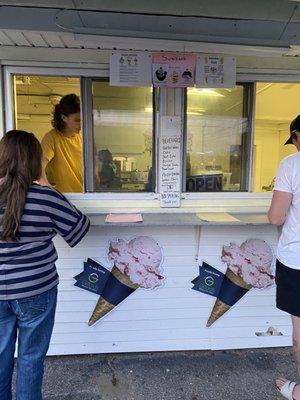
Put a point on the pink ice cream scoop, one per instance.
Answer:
(139, 259)
(252, 261)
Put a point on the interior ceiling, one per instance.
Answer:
(273, 23)
(45, 85)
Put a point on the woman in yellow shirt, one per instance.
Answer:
(62, 146)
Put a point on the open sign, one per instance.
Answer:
(204, 183)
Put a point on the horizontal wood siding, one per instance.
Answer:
(172, 317)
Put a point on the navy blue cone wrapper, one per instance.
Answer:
(118, 287)
(233, 288)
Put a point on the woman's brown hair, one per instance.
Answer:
(20, 166)
(69, 104)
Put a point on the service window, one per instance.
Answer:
(118, 140)
(276, 106)
(35, 99)
(218, 139)
(123, 138)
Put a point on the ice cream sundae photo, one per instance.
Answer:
(161, 74)
(187, 75)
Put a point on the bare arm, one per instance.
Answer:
(48, 147)
(43, 181)
(280, 204)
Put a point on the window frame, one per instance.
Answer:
(101, 71)
(247, 149)
(85, 75)
(88, 126)
(10, 71)
(251, 78)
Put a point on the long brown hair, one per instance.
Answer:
(20, 166)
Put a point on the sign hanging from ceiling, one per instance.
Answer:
(214, 70)
(130, 68)
(173, 69)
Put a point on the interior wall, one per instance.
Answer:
(210, 140)
(123, 122)
(276, 106)
(36, 97)
(38, 127)
(266, 155)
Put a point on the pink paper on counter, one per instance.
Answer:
(117, 218)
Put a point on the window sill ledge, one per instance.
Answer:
(183, 219)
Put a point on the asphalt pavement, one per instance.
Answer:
(192, 375)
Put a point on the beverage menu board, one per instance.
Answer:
(170, 162)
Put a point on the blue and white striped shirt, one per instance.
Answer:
(27, 267)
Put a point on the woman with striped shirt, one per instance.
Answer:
(30, 216)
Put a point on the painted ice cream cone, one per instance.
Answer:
(117, 288)
(136, 264)
(233, 288)
(248, 266)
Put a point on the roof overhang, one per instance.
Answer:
(264, 28)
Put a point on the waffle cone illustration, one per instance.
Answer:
(233, 288)
(118, 287)
(136, 264)
(248, 266)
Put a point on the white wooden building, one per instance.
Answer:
(55, 44)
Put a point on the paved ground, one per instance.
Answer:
(195, 375)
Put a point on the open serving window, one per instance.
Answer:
(117, 125)
(218, 135)
(123, 138)
(227, 144)
(276, 107)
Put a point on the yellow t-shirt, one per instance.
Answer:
(65, 160)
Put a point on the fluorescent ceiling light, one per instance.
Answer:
(205, 92)
(195, 113)
(196, 110)
(23, 117)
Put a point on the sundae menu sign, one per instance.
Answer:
(173, 69)
(136, 68)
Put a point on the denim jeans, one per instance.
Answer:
(32, 320)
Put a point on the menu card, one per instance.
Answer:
(217, 217)
(119, 218)
(170, 147)
(215, 71)
(130, 68)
